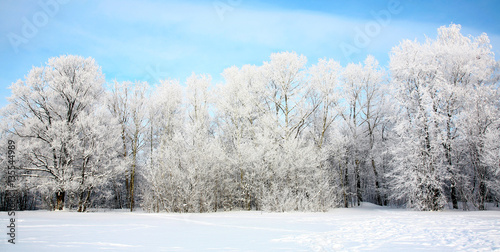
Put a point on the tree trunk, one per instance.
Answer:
(60, 200)
(132, 179)
(482, 194)
(81, 201)
(436, 194)
(453, 191)
(118, 197)
(346, 187)
(84, 200)
(377, 184)
(359, 196)
(125, 154)
(447, 147)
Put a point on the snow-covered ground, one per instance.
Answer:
(365, 228)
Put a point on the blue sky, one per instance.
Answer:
(152, 40)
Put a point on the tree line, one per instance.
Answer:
(281, 136)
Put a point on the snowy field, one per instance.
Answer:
(365, 228)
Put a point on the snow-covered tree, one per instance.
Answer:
(166, 143)
(296, 180)
(239, 117)
(442, 121)
(129, 103)
(418, 175)
(324, 78)
(471, 70)
(373, 114)
(360, 108)
(325, 95)
(65, 139)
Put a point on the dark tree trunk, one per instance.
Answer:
(84, 200)
(132, 186)
(346, 187)
(377, 184)
(447, 147)
(359, 195)
(60, 195)
(436, 206)
(454, 198)
(482, 195)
